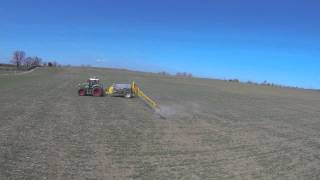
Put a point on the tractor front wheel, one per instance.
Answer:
(128, 95)
(97, 92)
(82, 92)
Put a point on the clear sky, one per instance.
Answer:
(274, 40)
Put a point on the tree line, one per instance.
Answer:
(20, 59)
(178, 74)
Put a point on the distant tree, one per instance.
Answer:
(234, 80)
(28, 62)
(36, 61)
(18, 58)
(32, 61)
(183, 74)
(265, 83)
(164, 73)
(50, 64)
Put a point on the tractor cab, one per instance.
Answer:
(93, 81)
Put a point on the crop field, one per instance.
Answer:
(206, 129)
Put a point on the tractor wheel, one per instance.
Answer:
(82, 92)
(128, 95)
(97, 92)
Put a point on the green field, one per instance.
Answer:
(212, 129)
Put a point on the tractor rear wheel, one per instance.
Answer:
(128, 95)
(97, 92)
(82, 92)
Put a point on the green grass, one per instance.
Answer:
(213, 129)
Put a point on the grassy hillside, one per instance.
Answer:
(212, 129)
(7, 69)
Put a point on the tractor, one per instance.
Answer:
(91, 88)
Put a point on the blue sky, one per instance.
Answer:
(254, 40)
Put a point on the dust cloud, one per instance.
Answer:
(178, 111)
